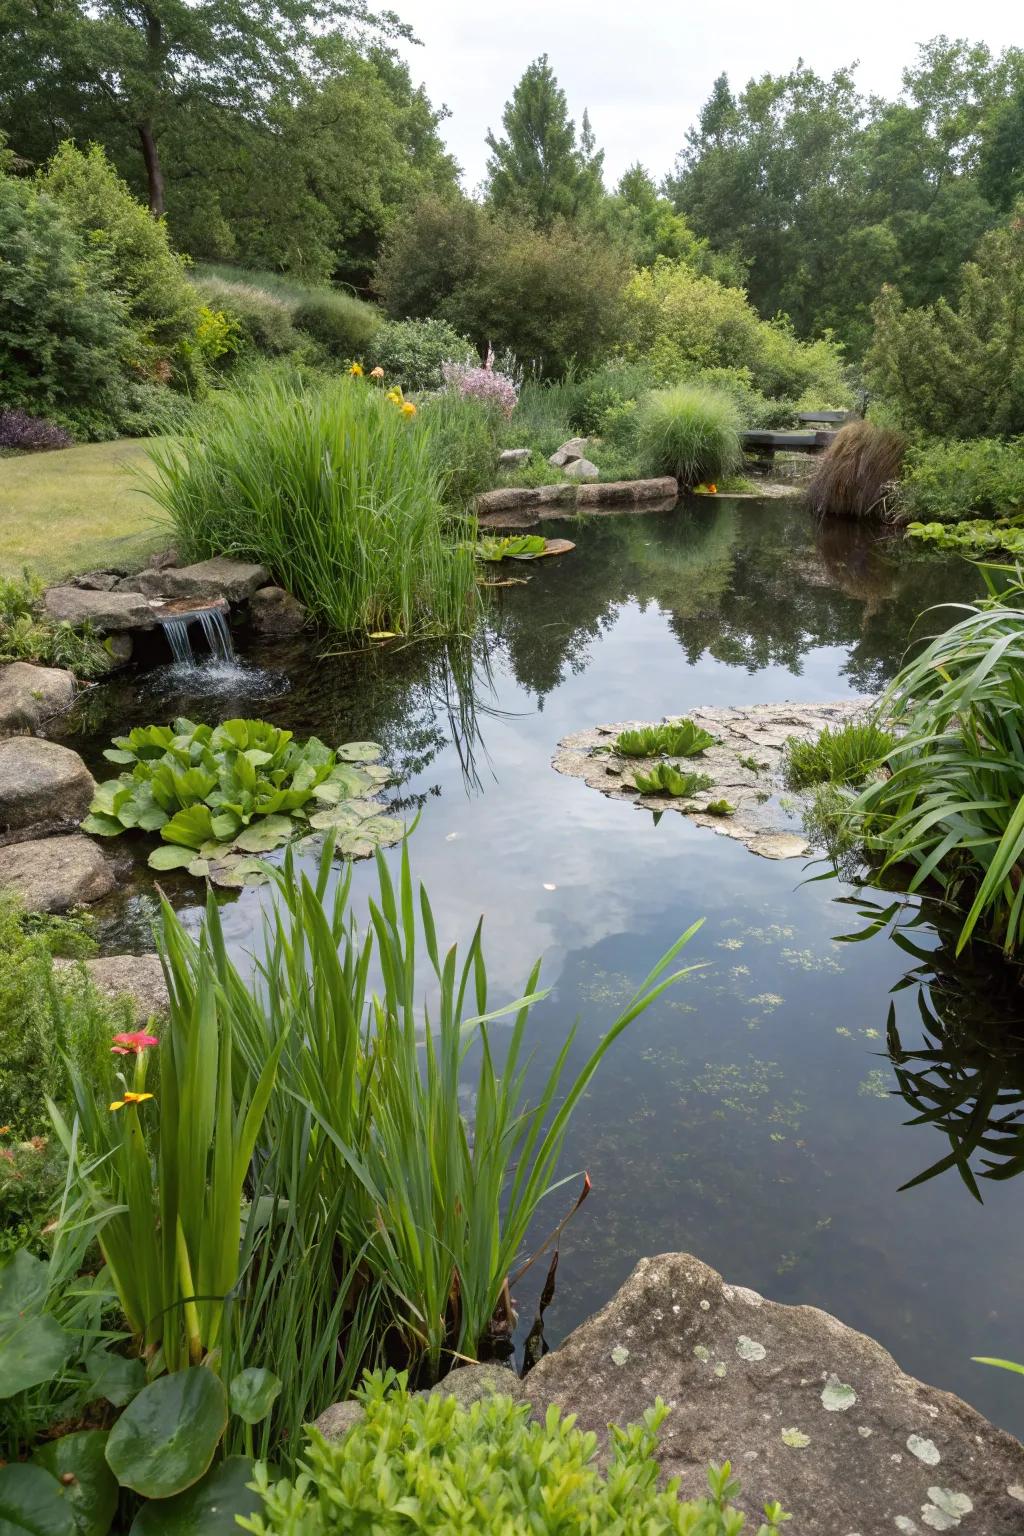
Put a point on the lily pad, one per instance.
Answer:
(167, 1436)
(32, 1503)
(168, 857)
(360, 751)
(208, 1508)
(252, 1393)
(114, 1376)
(79, 1465)
(266, 835)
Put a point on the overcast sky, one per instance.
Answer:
(644, 67)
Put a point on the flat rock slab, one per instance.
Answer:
(808, 1411)
(29, 695)
(768, 818)
(236, 580)
(139, 977)
(540, 501)
(103, 610)
(53, 874)
(43, 786)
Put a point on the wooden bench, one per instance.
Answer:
(767, 444)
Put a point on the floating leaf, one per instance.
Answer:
(199, 868)
(266, 835)
(32, 1503)
(341, 816)
(167, 857)
(114, 1376)
(360, 751)
(795, 1438)
(79, 1465)
(382, 830)
(166, 1437)
(33, 1347)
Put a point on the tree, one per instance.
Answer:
(113, 72)
(537, 170)
(1001, 159)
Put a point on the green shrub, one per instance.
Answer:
(343, 325)
(26, 634)
(264, 319)
(333, 488)
(412, 352)
(691, 433)
(975, 538)
(849, 754)
(947, 481)
(605, 391)
(428, 1464)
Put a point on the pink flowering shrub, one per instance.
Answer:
(484, 384)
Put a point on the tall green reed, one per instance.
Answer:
(329, 484)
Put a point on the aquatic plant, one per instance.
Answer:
(689, 432)
(222, 796)
(854, 475)
(978, 536)
(522, 546)
(469, 1468)
(334, 490)
(679, 738)
(663, 779)
(719, 808)
(847, 754)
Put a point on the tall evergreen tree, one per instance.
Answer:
(537, 170)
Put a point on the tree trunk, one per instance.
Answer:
(154, 171)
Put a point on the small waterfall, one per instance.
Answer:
(215, 631)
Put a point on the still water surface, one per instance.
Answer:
(753, 1116)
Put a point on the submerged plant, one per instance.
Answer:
(222, 796)
(679, 738)
(663, 779)
(847, 754)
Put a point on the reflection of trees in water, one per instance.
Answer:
(751, 584)
(964, 1074)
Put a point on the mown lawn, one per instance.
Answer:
(77, 509)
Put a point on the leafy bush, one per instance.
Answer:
(27, 634)
(32, 1174)
(334, 490)
(219, 796)
(414, 352)
(484, 384)
(958, 370)
(427, 1463)
(342, 324)
(606, 390)
(679, 738)
(691, 433)
(30, 434)
(263, 319)
(948, 480)
(856, 474)
(847, 755)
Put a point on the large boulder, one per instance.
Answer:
(275, 612)
(42, 785)
(236, 580)
(53, 874)
(514, 458)
(807, 1410)
(29, 695)
(140, 977)
(581, 469)
(569, 452)
(103, 610)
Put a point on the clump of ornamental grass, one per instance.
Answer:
(853, 476)
(690, 433)
(849, 754)
(332, 487)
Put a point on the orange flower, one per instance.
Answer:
(712, 488)
(132, 1043)
(5, 1130)
(130, 1098)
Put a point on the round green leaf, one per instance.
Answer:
(33, 1347)
(32, 1503)
(360, 751)
(113, 1376)
(102, 825)
(263, 836)
(91, 1487)
(252, 1393)
(166, 1437)
(166, 857)
(382, 830)
(208, 1508)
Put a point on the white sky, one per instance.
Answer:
(645, 67)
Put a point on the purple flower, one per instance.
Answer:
(484, 384)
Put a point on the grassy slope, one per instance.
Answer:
(76, 509)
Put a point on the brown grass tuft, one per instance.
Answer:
(853, 477)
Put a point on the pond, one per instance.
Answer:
(753, 1116)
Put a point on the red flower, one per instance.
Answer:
(132, 1043)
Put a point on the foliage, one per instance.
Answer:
(688, 432)
(27, 634)
(853, 478)
(605, 391)
(644, 220)
(415, 351)
(679, 738)
(463, 434)
(263, 319)
(848, 754)
(484, 384)
(537, 172)
(221, 796)
(977, 537)
(423, 1463)
(952, 804)
(678, 320)
(956, 369)
(719, 808)
(949, 480)
(343, 325)
(663, 779)
(31, 1178)
(331, 488)
(22, 433)
(522, 546)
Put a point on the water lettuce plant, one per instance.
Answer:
(680, 738)
(429, 1464)
(522, 546)
(848, 754)
(663, 779)
(221, 796)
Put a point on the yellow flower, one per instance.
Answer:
(408, 409)
(356, 370)
(130, 1098)
(394, 395)
(376, 373)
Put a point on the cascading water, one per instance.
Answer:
(215, 630)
